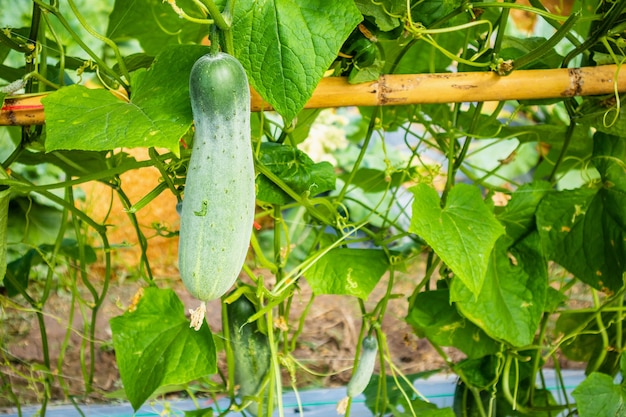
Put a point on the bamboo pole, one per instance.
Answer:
(400, 89)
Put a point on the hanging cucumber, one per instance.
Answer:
(218, 207)
(251, 350)
(365, 367)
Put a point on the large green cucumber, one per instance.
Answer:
(218, 206)
(251, 350)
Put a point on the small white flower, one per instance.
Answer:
(197, 316)
(342, 405)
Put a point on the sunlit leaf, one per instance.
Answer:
(348, 271)
(158, 114)
(287, 45)
(462, 233)
(599, 396)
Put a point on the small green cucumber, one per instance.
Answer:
(218, 207)
(251, 349)
(365, 368)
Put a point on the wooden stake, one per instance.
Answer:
(400, 89)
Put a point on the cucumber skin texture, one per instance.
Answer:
(218, 207)
(251, 349)
(365, 367)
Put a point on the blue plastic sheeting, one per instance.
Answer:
(438, 389)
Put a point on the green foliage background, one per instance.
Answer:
(410, 185)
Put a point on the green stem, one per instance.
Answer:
(301, 320)
(599, 359)
(37, 307)
(549, 44)
(366, 141)
(81, 250)
(141, 237)
(275, 366)
(569, 134)
(101, 64)
(58, 40)
(100, 229)
(21, 186)
(506, 390)
(230, 355)
(556, 25)
(216, 15)
(607, 21)
(103, 39)
(522, 7)
(278, 226)
(35, 23)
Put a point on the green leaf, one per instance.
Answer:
(33, 222)
(581, 344)
(155, 346)
(154, 24)
(598, 396)
(158, 114)
(429, 11)
(479, 372)
(386, 13)
(18, 273)
(287, 45)
(296, 170)
(571, 224)
(369, 73)
(609, 158)
(604, 118)
(512, 299)
(463, 233)
(348, 271)
(518, 216)
(584, 230)
(433, 316)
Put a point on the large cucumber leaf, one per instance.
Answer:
(584, 230)
(287, 45)
(512, 299)
(462, 233)
(155, 346)
(158, 113)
